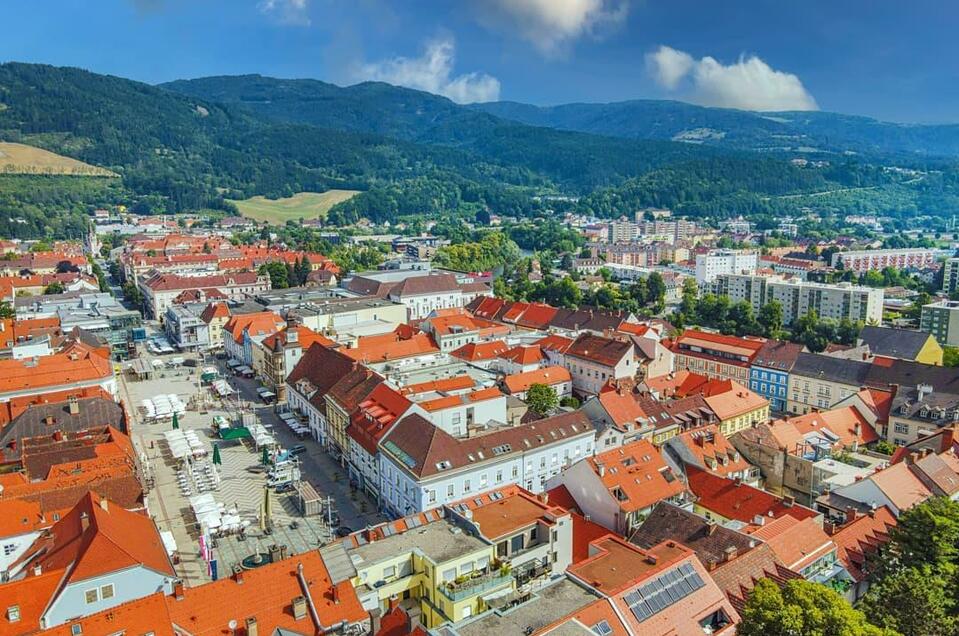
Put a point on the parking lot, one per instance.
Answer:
(241, 476)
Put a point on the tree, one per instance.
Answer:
(566, 263)
(913, 602)
(6, 309)
(770, 318)
(950, 356)
(570, 402)
(656, 291)
(689, 304)
(277, 271)
(56, 287)
(926, 535)
(541, 398)
(802, 608)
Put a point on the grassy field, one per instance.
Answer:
(23, 159)
(302, 205)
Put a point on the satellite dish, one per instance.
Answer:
(232, 624)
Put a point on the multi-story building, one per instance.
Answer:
(819, 382)
(799, 297)
(280, 352)
(242, 331)
(160, 290)
(592, 361)
(619, 487)
(716, 262)
(941, 319)
(769, 372)
(950, 275)
(622, 231)
(423, 467)
(216, 315)
(863, 261)
(186, 330)
(715, 355)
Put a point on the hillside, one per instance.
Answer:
(799, 132)
(302, 205)
(23, 159)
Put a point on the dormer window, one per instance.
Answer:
(924, 412)
(13, 613)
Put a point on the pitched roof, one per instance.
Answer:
(215, 310)
(708, 448)
(734, 500)
(844, 426)
(267, 593)
(98, 537)
(79, 364)
(704, 344)
(256, 324)
(379, 348)
(476, 351)
(49, 418)
(778, 355)
(523, 355)
(861, 538)
(322, 367)
(554, 342)
(728, 398)
(513, 510)
(738, 577)
(426, 450)
(598, 349)
(901, 486)
(171, 282)
(816, 365)
(942, 471)
(636, 475)
(894, 343)
(797, 544)
(423, 285)
(713, 543)
(520, 382)
(304, 336)
(376, 415)
(676, 384)
(537, 316)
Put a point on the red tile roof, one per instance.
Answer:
(376, 415)
(733, 500)
(80, 365)
(598, 349)
(371, 349)
(260, 323)
(638, 472)
(523, 355)
(712, 450)
(861, 538)
(477, 351)
(521, 382)
(797, 544)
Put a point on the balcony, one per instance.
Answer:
(473, 585)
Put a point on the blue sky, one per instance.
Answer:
(883, 58)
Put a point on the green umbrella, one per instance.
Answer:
(266, 456)
(176, 421)
(216, 455)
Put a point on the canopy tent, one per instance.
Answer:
(235, 432)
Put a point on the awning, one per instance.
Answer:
(238, 432)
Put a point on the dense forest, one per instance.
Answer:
(195, 144)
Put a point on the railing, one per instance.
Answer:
(474, 585)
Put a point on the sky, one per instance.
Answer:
(882, 58)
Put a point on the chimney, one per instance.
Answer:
(851, 513)
(788, 501)
(544, 497)
(57, 435)
(251, 626)
(651, 559)
(74, 405)
(602, 469)
(283, 551)
(84, 521)
(299, 608)
(178, 590)
(857, 429)
(238, 574)
(335, 593)
(738, 481)
(711, 528)
(730, 553)
(394, 602)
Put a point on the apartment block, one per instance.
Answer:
(716, 262)
(941, 319)
(863, 261)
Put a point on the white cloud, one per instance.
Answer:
(295, 12)
(551, 25)
(433, 72)
(747, 84)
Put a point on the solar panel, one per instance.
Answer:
(602, 628)
(665, 590)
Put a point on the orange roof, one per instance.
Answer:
(677, 384)
(31, 595)
(215, 310)
(113, 539)
(514, 510)
(901, 486)
(633, 328)
(523, 355)
(734, 500)
(450, 401)
(520, 382)
(713, 450)
(861, 538)
(456, 383)
(13, 331)
(81, 364)
(267, 593)
(728, 398)
(796, 544)
(20, 517)
(616, 565)
(589, 617)
(147, 615)
(375, 415)
(446, 325)
(15, 406)
(638, 473)
(554, 342)
(261, 323)
(476, 351)
(377, 349)
(305, 336)
(846, 423)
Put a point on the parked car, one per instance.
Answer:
(343, 531)
(299, 449)
(288, 486)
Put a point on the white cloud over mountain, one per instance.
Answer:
(550, 25)
(748, 84)
(433, 72)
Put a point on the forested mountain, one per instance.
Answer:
(194, 144)
(804, 132)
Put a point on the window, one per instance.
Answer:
(91, 596)
(9, 548)
(467, 487)
(499, 476)
(431, 495)
(467, 611)
(389, 572)
(106, 591)
(902, 429)
(451, 490)
(466, 568)
(76, 629)
(449, 575)
(13, 613)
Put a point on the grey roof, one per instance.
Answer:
(709, 540)
(907, 373)
(547, 605)
(778, 355)
(819, 366)
(894, 343)
(93, 413)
